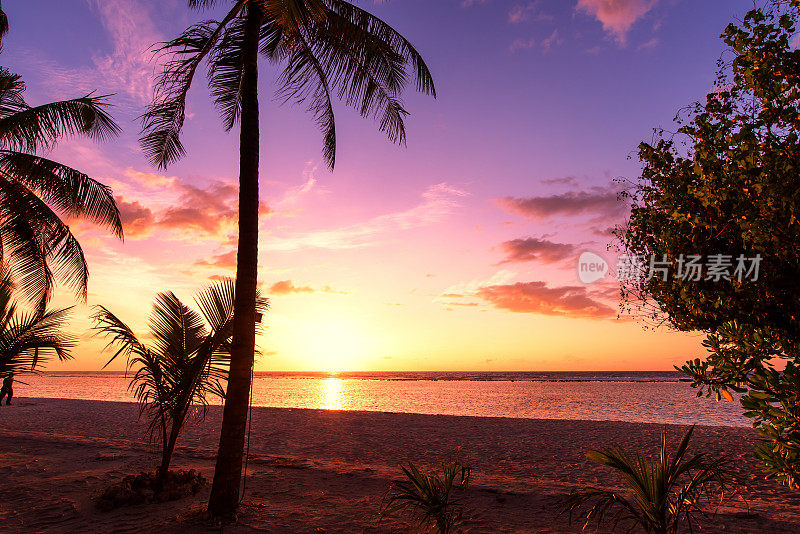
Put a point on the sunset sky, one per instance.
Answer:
(456, 252)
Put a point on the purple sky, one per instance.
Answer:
(457, 252)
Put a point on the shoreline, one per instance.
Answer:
(312, 469)
(381, 412)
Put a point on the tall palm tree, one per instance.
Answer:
(186, 362)
(324, 48)
(35, 244)
(29, 338)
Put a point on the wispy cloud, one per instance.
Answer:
(525, 12)
(287, 287)
(437, 202)
(127, 70)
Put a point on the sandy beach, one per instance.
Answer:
(327, 471)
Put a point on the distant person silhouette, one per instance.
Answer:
(8, 382)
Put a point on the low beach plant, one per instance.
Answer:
(430, 496)
(663, 496)
(185, 363)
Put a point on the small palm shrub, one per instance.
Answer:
(185, 363)
(29, 338)
(663, 494)
(430, 496)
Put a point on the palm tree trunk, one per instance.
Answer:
(228, 471)
(166, 455)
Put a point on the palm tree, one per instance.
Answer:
(663, 494)
(325, 48)
(186, 362)
(29, 338)
(430, 495)
(35, 244)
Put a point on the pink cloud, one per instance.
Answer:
(287, 287)
(137, 220)
(537, 298)
(597, 200)
(617, 16)
(534, 249)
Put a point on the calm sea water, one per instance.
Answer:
(658, 397)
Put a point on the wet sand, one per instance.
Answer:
(327, 471)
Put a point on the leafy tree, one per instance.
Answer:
(186, 362)
(28, 339)
(35, 244)
(728, 183)
(324, 49)
(663, 495)
(431, 496)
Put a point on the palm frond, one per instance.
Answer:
(34, 236)
(225, 68)
(69, 190)
(163, 120)
(373, 25)
(118, 334)
(30, 338)
(662, 496)
(40, 127)
(429, 495)
(11, 89)
(176, 329)
(305, 81)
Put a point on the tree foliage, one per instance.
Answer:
(322, 49)
(728, 182)
(35, 192)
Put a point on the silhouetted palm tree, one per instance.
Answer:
(187, 360)
(664, 494)
(35, 244)
(325, 48)
(29, 338)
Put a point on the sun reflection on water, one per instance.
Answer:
(332, 394)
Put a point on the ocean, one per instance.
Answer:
(657, 397)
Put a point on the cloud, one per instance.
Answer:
(225, 259)
(150, 180)
(137, 220)
(537, 298)
(524, 12)
(652, 43)
(553, 39)
(287, 287)
(127, 71)
(534, 249)
(438, 202)
(185, 210)
(210, 211)
(597, 200)
(617, 16)
(522, 44)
